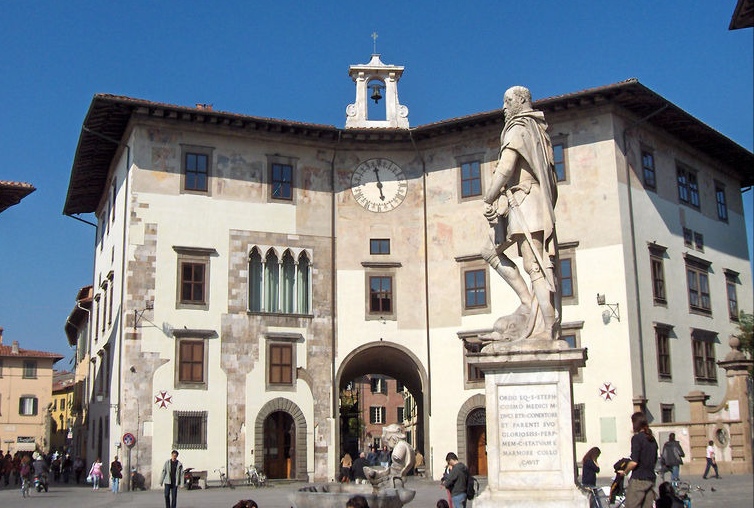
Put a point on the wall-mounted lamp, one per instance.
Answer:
(148, 305)
(614, 309)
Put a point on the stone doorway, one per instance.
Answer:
(476, 442)
(279, 439)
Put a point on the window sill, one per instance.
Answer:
(281, 314)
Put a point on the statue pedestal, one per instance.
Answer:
(530, 447)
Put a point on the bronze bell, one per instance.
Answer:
(376, 95)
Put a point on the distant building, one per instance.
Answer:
(61, 431)
(11, 193)
(248, 269)
(77, 332)
(25, 396)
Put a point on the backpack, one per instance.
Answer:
(472, 487)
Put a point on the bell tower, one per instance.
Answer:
(373, 80)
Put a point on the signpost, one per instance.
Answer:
(129, 440)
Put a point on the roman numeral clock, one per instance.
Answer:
(379, 185)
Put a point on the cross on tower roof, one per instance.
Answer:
(374, 44)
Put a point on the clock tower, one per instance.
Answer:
(373, 80)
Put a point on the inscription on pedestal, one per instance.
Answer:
(528, 426)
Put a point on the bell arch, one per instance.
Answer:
(471, 414)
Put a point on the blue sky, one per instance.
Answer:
(290, 60)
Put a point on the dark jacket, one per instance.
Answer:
(457, 478)
(644, 453)
(672, 454)
(357, 470)
(589, 473)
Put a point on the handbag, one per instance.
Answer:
(90, 479)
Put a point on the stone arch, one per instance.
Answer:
(474, 402)
(290, 407)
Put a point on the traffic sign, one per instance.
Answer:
(129, 439)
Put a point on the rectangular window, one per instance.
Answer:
(30, 369)
(400, 411)
(110, 301)
(704, 360)
(730, 288)
(192, 283)
(379, 246)
(688, 187)
(377, 414)
(196, 171)
(566, 278)
(722, 207)
(658, 279)
(475, 288)
(471, 179)
(379, 385)
(579, 423)
(399, 387)
(699, 241)
(698, 286)
(688, 237)
(190, 430)
(648, 168)
(28, 406)
(667, 413)
(281, 178)
(663, 353)
(191, 361)
(381, 295)
(558, 151)
(281, 364)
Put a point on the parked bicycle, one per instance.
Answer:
(224, 480)
(255, 477)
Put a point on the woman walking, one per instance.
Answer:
(640, 492)
(96, 473)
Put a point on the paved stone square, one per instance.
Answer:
(730, 492)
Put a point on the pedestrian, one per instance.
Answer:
(6, 466)
(590, 468)
(116, 472)
(455, 482)
(357, 470)
(371, 456)
(711, 462)
(667, 497)
(640, 491)
(345, 468)
(357, 502)
(384, 457)
(172, 477)
(672, 458)
(95, 473)
(67, 465)
(78, 468)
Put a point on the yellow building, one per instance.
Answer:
(25, 393)
(61, 410)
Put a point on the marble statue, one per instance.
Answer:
(520, 208)
(403, 458)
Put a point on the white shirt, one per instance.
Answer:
(710, 452)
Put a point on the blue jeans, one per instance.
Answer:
(170, 489)
(675, 473)
(459, 500)
(115, 484)
(712, 465)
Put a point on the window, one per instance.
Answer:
(379, 385)
(699, 241)
(688, 187)
(281, 178)
(399, 387)
(663, 353)
(62, 405)
(579, 423)
(96, 316)
(1, 367)
(104, 307)
(471, 179)
(571, 334)
(688, 237)
(276, 286)
(566, 277)
(722, 207)
(400, 411)
(558, 151)
(648, 169)
(280, 370)
(667, 413)
(379, 246)
(30, 369)
(475, 288)
(658, 279)
(191, 361)
(28, 405)
(380, 294)
(704, 360)
(193, 277)
(190, 430)
(110, 301)
(196, 168)
(698, 284)
(731, 279)
(377, 414)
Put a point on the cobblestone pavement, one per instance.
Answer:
(730, 492)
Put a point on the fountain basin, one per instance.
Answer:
(335, 495)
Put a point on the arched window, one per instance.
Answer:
(302, 283)
(288, 284)
(271, 282)
(255, 281)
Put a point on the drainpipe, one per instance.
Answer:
(633, 245)
(333, 291)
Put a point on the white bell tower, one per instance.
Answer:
(378, 78)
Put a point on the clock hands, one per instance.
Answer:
(379, 183)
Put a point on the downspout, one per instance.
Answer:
(633, 245)
(122, 261)
(333, 292)
(428, 391)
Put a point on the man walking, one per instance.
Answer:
(455, 482)
(672, 457)
(116, 473)
(172, 477)
(711, 462)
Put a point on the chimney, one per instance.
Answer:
(1, 335)
(204, 106)
(14, 348)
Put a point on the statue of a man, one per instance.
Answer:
(519, 206)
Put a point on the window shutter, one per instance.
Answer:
(34, 406)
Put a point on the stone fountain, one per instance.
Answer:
(382, 491)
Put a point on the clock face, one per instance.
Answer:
(379, 185)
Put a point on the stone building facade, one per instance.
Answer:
(247, 269)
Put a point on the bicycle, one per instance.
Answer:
(224, 480)
(255, 477)
(683, 490)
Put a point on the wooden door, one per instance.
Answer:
(476, 442)
(279, 433)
